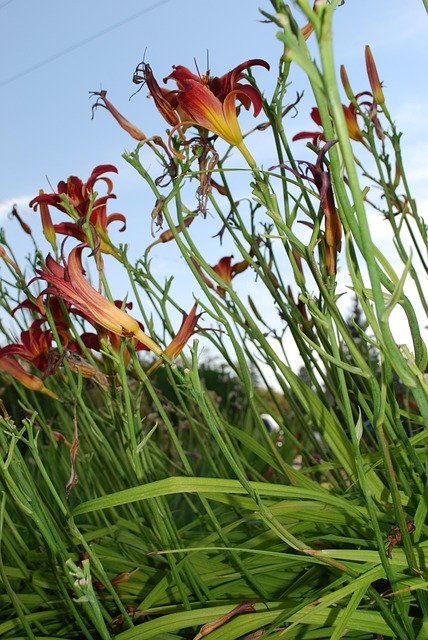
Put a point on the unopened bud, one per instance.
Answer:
(346, 84)
(375, 83)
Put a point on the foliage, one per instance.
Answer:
(142, 494)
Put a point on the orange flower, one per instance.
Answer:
(187, 329)
(225, 270)
(350, 113)
(9, 365)
(34, 347)
(210, 102)
(68, 282)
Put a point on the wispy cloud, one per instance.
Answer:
(20, 201)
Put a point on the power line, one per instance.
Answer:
(3, 4)
(82, 43)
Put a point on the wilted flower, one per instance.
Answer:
(133, 131)
(80, 196)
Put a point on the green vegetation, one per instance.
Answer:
(142, 495)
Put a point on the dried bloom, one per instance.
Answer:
(375, 83)
(162, 97)
(24, 226)
(206, 629)
(133, 131)
(68, 282)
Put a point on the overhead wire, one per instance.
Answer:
(81, 43)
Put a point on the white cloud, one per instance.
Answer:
(6, 205)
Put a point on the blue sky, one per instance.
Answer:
(46, 128)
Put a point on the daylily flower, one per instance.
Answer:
(225, 270)
(93, 340)
(79, 195)
(34, 347)
(68, 282)
(186, 331)
(350, 113)
(210, 102)
(10, 365)
(333, 226)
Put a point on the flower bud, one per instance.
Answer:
(345, 83)
(375, 83)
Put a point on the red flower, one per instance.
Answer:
(185, 332)
(225, 270)
(68, 282)
(80, 196)
(34, 347)
(11, 366)
(210, 102)
(350, 113)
